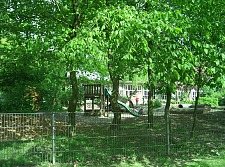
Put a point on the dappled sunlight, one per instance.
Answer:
(95, 140)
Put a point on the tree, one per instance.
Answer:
(205, 43)
(57, 26)
(26, 64)
(120, 35)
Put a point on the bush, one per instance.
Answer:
(157, 103)
(13, 100)
(174, 102)
(222, 101)
(208, 100)
(187, 102)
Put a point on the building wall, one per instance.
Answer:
(127, 89)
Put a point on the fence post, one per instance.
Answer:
(53, 138)
(167, 133)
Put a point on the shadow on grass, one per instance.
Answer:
(19, 162)
(131, 145)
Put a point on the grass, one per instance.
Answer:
(25, 154)
(207, 163)
(131, 145)
(163, 162)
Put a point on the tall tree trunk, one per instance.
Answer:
(195, 114)
(114, 103)
(167, 120)
(150, 100)
(113, 72)
(198, 80)
(73, 102)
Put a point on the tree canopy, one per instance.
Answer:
(181, 42)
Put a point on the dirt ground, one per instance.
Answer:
(28, 126)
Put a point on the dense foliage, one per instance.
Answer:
(42, 42)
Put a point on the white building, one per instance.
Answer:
(137, 91)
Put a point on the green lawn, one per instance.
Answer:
(22, 153)
(217, 162)
(131, 145)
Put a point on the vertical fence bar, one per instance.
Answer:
(168, 134)
(53, 138)
(167, 128)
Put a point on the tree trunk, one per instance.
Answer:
(198, 79)
(150, 100)
(115, 106)
(194, 115)
(167, 120)
(73, 102)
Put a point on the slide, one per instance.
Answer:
(128, 109)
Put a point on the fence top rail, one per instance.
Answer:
(38, 113)
(30, 113)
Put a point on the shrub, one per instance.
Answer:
(187, 102)
(208, 100)
(174, 101)
(222, 101)
(157, 103)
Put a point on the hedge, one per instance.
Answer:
(208, 100)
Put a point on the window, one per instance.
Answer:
(194, 94)
(129, 87)
(154, 94)
(179, 93)
(129, 90)
(139, 87)
(164, 96)
(145, 94)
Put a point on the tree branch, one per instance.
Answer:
(61, 21)
(54, 18)
(75, 15)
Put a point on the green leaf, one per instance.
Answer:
(174, 46)
(194, 43)
(206, 51)
(176, 75)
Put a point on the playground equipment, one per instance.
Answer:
(95, 93)
(123, 105)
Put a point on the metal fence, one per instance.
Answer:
(29, 139)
